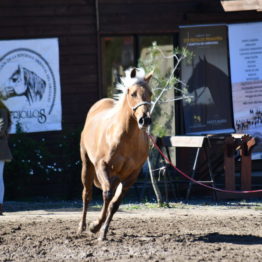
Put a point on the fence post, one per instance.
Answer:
(246, 161)
(229, 163)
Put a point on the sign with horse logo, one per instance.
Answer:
(30, 83)
(207, 79)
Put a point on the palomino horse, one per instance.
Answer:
(114, 146)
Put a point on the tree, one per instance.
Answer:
(167, 88)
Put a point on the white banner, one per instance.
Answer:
(30, 83)
(245, 46)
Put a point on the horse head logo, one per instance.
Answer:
(23, 82)
(208, 83)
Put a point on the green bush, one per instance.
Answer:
(45, 165)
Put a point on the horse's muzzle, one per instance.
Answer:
(144, 122)
(6, 92)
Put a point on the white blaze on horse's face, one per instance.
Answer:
(139, 96)
(14, 85)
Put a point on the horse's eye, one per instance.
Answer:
(133, 94)
(14, 79)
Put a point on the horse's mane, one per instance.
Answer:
(35, 83)
(127, 81)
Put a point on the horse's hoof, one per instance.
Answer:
(94, 227)
(101, 239)
(81, 229)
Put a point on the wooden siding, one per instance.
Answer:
(145, 17)
(164, 16)
(73, 22)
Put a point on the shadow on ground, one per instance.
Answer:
(233, 239)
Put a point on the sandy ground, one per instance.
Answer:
(138, 232)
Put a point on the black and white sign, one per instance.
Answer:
(30, 83)
(245, 46)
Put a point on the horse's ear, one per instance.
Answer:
(148, 76)
(133, 73)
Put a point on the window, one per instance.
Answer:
(117, 56)
(120, 53)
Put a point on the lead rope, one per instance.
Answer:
(195, 181)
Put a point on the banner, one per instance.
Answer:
(207, 79)
(30, 83)
(245, 46)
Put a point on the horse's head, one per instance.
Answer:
(139, 97)
(199, 75)
(14, 86)
(23, 82)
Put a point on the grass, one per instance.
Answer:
(192, 204)
(243, 204)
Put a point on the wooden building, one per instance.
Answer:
(84, 28)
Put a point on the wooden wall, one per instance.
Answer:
(74, 23)
(145, 17)
(164, 16)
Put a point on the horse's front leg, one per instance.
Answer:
(108, 185)
(95, 226)
(113, 207)
(115, 203)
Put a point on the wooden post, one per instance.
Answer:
(246, 162)
(229, 163)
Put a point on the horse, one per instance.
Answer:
(114, 146)
(211, 92)
(23, 82)
(210, 88)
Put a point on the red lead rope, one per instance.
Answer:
(195, 181)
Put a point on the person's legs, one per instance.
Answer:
(2, 186)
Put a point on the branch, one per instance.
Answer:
(176, 99)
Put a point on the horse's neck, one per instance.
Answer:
(124, 128)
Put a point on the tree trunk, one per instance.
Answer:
(154, 184)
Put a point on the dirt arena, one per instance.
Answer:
(184, 232)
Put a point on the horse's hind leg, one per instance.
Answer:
(87, 177)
